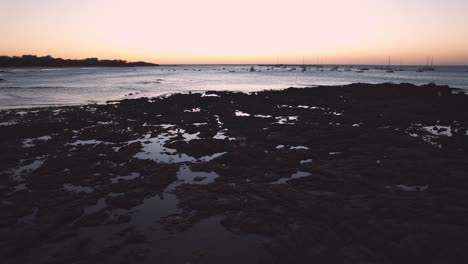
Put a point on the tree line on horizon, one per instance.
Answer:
(49, 61)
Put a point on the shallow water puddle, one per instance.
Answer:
(221, 135)
(29, 219)
(286, 120)
(21, 187)
(200, 124)
(410, 188)
(209, 158)
(206, 241)
(34, 165)
(106, 123)
(292, 147)
(158, 206)
(298, 174)
(438, 130)
(303, 107)
(154, 149)
(209, 95)
(29, 142)
(263, 116)
(76, 188)
(430, 133)
(186, 175)
(165, 126)
(130, 177)
(213, 243)
(209, 236)
(193, 110)
(174, 133)
(10, 123)
(299, 148)
(100, 204)
(85, 142)
(220, 124)
(240, 113)
(189, 137)
(312, 107)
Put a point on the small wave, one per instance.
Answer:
(128, 88)
(157, 81)
(51, 69)
(18, 96)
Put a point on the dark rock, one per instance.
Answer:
(135, 238)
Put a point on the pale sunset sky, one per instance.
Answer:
(239, 31)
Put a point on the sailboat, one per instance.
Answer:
(428, 67)
(389, 70)
(304, 68)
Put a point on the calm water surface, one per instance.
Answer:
(64, 86)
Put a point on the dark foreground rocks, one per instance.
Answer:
(354, 174)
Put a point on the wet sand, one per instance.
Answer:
(348, 174)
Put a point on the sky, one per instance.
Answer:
(239, 31)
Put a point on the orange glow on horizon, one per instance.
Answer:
(215, 32)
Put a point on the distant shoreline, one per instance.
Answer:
(32, 61)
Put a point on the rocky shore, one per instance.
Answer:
(348, 174)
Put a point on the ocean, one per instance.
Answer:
(36, 87)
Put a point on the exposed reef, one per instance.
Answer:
(348, 174)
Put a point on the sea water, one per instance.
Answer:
(33, 87)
